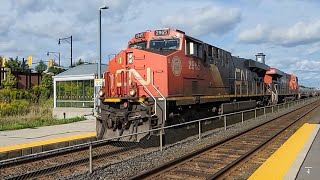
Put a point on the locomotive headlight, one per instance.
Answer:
(130, 58)
(132, 92)
(101, 93)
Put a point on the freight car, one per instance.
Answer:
(166, 77)
(305, 92)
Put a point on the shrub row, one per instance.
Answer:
(16, 107)
(33, 95)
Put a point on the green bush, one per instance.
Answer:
(16, 107)
(9, 82)
(37, 94)
(8, 95)
(5, 96)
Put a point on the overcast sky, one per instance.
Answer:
(287, 31)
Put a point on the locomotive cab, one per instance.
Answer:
(136, 85)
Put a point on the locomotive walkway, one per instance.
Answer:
(32, 140)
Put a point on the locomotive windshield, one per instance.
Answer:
(164, 44)
(139, 45)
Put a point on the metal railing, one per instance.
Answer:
(256, 113)
(183, 132)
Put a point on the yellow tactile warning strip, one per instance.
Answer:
(277, 165)
(46, 142)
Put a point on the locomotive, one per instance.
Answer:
(166, 77)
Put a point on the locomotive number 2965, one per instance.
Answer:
(194, 65)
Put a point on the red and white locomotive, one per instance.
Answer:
(166, 77)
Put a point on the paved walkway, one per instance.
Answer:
(298, 157)
(14, 137)
(310, 168)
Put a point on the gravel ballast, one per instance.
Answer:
(151, 159)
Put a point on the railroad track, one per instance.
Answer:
(67, 161)
(70, 160)
(214, 161)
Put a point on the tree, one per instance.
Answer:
(47, 81)
(10, 81)
(1, 59)
(13, 63)
(47, 85)
(55, 70)
(79, 62)
(17, 65)
(41, 67)
(24, 67)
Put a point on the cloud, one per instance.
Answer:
(32, 27)
(310, 79)
(88, 56)
(306, 66)
(255, 36)
(314, 48)
(301, 33)
(5, 24)
(25, 6)
(204, 20)
(307, 71)
(8, 45)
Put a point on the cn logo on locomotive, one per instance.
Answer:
(136, 75)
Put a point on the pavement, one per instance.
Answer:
(28, 141)
(310, 168)
(29, 135)
(298, 157)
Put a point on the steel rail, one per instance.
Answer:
(52, 169)
(79, 147)
(157, 170)
(64, 151)
(241, 158)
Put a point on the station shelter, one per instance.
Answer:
(74, 91)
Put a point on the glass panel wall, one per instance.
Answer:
(78, 93)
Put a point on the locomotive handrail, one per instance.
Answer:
(148, 91)
(165, 100)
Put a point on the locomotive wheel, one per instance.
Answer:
(100, 128)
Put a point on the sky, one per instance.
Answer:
(287, 31)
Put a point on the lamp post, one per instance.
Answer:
(55, 53)
(70, 42)
(99, 65)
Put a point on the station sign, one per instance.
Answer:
(98, 82)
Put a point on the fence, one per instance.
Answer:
(111, 151)
(197, 129)
(25, 80)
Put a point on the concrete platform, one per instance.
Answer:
(32, 140)
(310, 168)
(298, 157)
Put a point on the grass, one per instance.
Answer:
(7, 125)
(38, 115)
